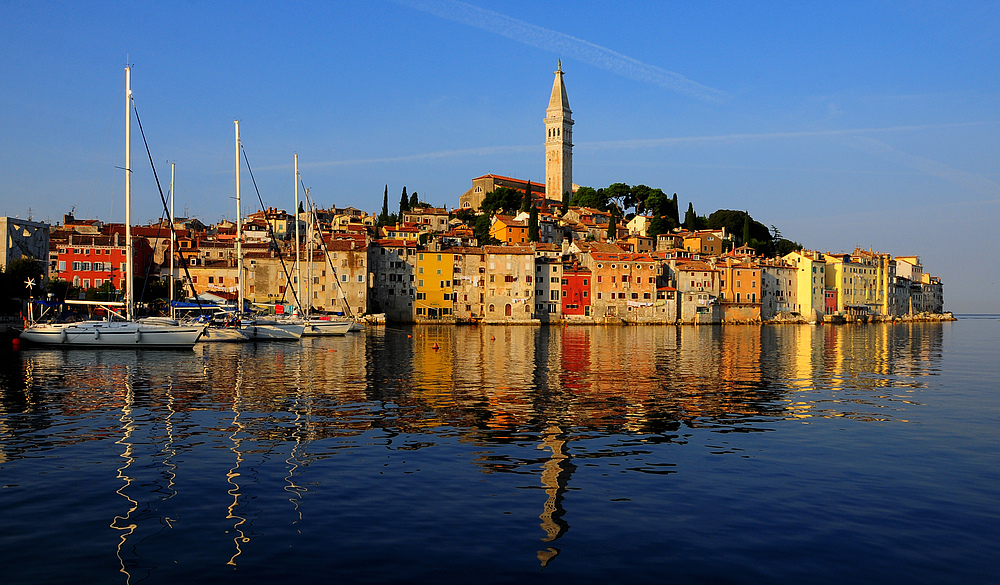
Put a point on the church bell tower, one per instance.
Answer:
(558, 141)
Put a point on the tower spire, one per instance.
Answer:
(558, 141)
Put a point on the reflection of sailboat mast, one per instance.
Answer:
(240, 537)
(124, 524)
(292, 488)
(555, 477)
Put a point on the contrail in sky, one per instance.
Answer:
(627, 144)
(970, 181)
(563, 44)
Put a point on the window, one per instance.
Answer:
(585, 283)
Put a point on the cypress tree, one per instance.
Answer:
(384, 216)
(526, 202)
(689, 217)
(534, 234)
(404, 202)
(675, 212)
(612, 229)
(414, 201)
(746, 228)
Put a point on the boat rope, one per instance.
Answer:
(163, 200)
(322, 240)
(270, 230)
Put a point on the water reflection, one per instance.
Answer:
(529, 400)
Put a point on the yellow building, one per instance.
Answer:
(433, 285)
(809, 283)
(856, 282)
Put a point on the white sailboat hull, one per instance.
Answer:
(223, 335)
(272, 331)
(320, 327)
(113, 334)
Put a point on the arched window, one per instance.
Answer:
(492, 308)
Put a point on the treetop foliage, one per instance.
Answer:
(502, 200)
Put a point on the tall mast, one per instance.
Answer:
(239, 227)
(298, 267)
(309, 253)
(127, 273)
(170, 281)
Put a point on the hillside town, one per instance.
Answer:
(510, 251)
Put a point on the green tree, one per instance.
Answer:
(404, 202)
(674, 211)
(690, 218)
(617, 198)
(383, 218)
(534, 234)
(612, 228)
(590, 197)
(660, 224)
(526, 203)
(565, 202)
(503, 200)
(783, 246)
(740, 222)
(466, 215)
(414, 201)
(482, 230)
(13, 286)
(640, 194)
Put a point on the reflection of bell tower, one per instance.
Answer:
(555, 478)
(558, 141)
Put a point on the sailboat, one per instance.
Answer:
(314, 326)
(127, 331)
(255, 329)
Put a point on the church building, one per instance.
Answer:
(558, 158)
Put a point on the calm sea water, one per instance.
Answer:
(744, 454)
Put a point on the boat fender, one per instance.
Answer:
(62, 336)
(138, 335)
(255, 331)
(97, 333)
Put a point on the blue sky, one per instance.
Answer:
(872, 124)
